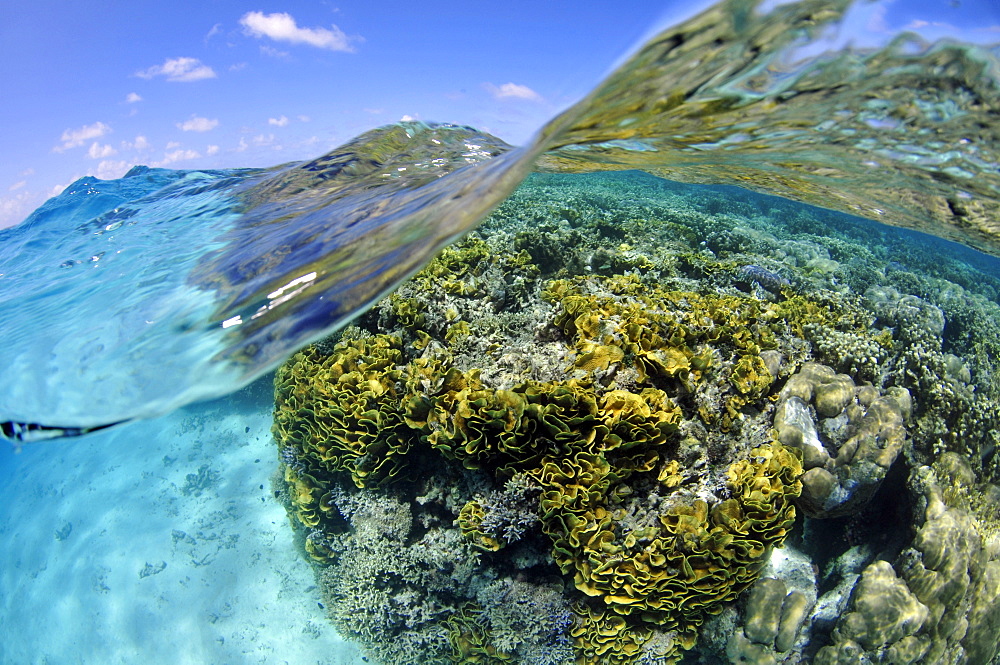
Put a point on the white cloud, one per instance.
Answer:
(179, 69)
(278, 122)
(132, 98)
(512, 91)
(282, 27)
(17, 185)
(177, 156)
(109, 170)
(197, 124)
(407, 118)
(14, 209)
(98, 151)
(274, 53)
(74, 138)
(140, 143)
(304, 118)
(173, 144)
(258, 141)
(211, 150)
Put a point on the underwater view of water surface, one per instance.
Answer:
(707, 372)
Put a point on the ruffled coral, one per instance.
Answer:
(470, 639)
(584, 445)
(339, 412)
(595, 447)
(679, 571)
(603, 637)
(677, 337)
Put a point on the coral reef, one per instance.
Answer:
(340, 411)
(848, 447)
(773, 618)
(529, 621)
(589, 434)
(939, 603)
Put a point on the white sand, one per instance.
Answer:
(110, 554)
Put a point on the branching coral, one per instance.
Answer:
(504, 516)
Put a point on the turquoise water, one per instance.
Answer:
(126, 304)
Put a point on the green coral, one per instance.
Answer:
(582, 449)
(461, 268)
(408, 312)
(361, 408)
(679, 337)
(602, 636)
(470, 639)
(339, 412)
(678, 571)
(611, 442)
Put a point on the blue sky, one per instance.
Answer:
(93, 89)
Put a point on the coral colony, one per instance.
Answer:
(599, 431)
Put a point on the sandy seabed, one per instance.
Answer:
(157, 542)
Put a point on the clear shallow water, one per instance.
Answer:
(157, 542)
(128, 299)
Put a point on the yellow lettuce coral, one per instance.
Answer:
(602, 637)
(340, 411)
(671, 336)
(676, 572)
(470, 640)
(587, 442)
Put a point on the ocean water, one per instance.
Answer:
(760, 258)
